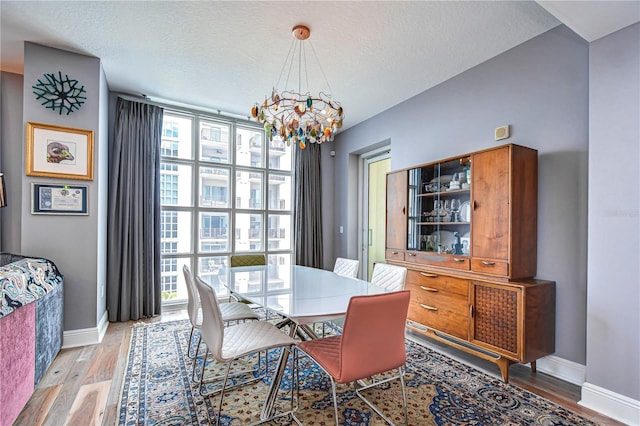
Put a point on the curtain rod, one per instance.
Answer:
(165, 103)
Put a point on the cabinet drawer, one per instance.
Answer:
(490, 266)
(450, 318)
(446, 261)
(428, 282)
(394, 255)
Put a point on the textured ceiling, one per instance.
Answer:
(227, 55)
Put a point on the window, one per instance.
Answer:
(234, 195)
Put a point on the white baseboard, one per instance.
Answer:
(611, 404)
(85, 336)
(561, 368)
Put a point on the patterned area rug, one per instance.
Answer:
(158, 389)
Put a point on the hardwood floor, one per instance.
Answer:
(83, 384)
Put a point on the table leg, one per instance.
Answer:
(267, 408)
(309, 331)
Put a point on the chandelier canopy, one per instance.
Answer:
(294, 115)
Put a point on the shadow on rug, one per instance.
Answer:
(158, 390)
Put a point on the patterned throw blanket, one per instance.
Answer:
(25, 281)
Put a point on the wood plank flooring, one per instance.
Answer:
(83, 384)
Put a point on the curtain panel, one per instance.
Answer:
(133, 241)
(308, 207)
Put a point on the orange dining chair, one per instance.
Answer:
(227, 344)
(370, 344)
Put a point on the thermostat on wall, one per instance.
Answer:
(502, 132)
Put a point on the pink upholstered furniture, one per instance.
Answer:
(31, 310)
(372, 342)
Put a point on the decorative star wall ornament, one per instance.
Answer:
(59, 94)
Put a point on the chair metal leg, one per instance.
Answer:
(204, 363)
(189, 344)
(377, 383)
(224, 384)
(335, 399)
(195, 360)
(404, 395)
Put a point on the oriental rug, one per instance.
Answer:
(158, 389)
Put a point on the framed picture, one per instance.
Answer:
(59, 199)
(59, 152)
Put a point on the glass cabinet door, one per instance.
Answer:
(439, 219)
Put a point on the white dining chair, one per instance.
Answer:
(346, 267)
(231, 312)
(389, 277)
(227, 344)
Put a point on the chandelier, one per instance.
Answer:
(297, 116)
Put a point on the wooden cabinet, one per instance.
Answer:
(439, 301)
(466, 229)
(476, 212)
(502, 322)
(504, 212)
(396, 219)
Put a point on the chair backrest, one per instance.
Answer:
(248, 260)
(389, 277)
(212, 329)
(346, 267)
(373, 335)
(192, 296)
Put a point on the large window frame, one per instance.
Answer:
(249, 214)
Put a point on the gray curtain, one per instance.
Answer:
(308, 207)
(133, 234)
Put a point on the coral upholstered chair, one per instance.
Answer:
(370, 344)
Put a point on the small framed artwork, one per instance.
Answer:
(59, 152)
(59, 199)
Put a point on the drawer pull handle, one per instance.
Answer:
(487, 263)
(435, 290)
(424, 274)
(458, 260)
(412, 254)
(428, 308)
(394, 252)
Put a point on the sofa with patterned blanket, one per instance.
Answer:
(31, 302)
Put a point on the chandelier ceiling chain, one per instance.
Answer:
(296, 116)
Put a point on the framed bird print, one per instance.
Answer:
(59, 152)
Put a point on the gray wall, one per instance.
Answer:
(613, 298)
(540, 88)
(10, 163)
(72, 242)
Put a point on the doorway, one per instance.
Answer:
(375, 165)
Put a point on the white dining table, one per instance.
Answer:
(302, 296)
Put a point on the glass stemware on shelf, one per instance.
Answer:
(455, 210)
(435, 213)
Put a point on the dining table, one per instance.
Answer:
(301, 296)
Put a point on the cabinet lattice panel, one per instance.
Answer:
(496, 317)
